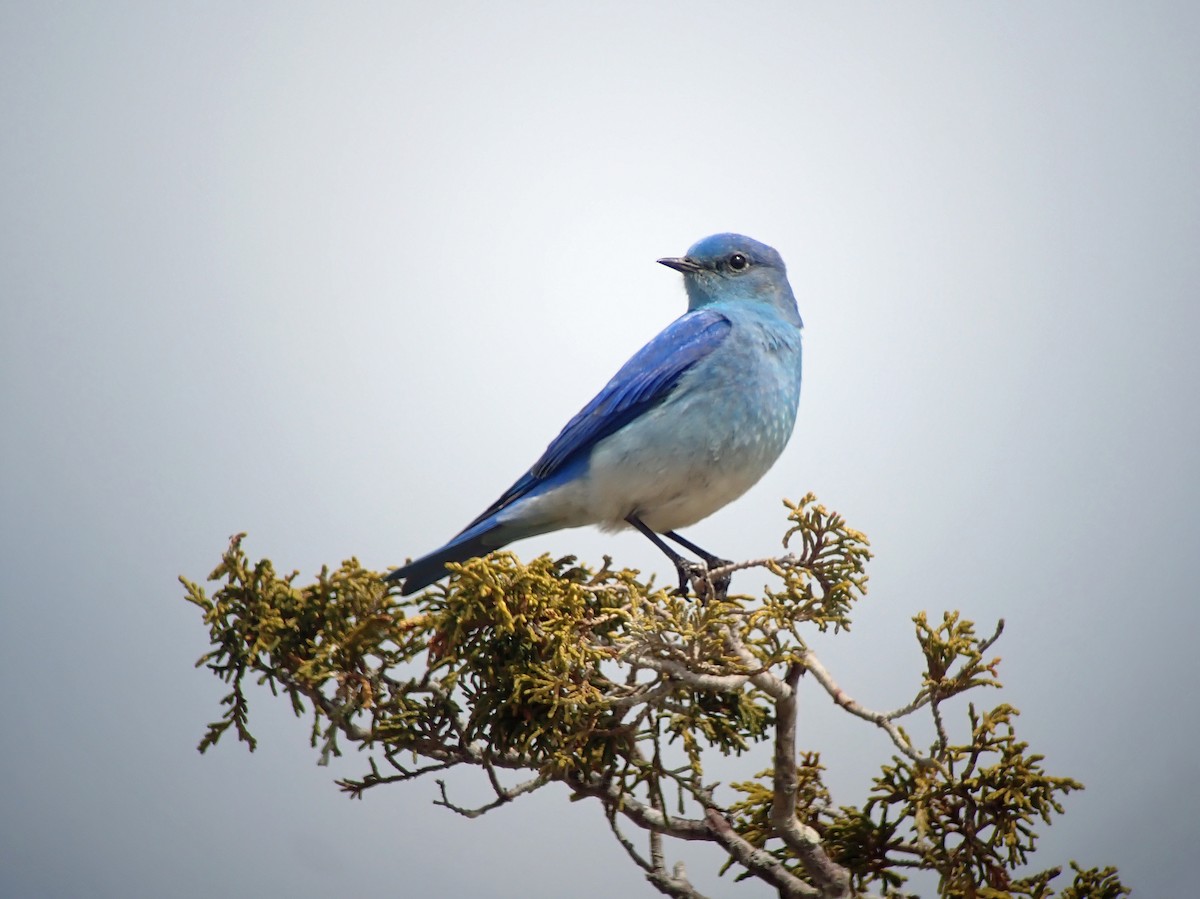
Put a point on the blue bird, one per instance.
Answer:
(689, 424)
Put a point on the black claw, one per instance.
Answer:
(689, 573)
(721, 582)
(696, 573)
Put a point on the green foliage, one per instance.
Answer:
(596, 679)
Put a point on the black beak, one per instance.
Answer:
(683, 264)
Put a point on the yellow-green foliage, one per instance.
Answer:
(597, 679)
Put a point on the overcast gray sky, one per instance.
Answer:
(334, 275)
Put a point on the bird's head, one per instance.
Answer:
(735, 268)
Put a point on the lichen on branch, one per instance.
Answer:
(553, 671)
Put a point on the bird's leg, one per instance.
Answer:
(689, 572)
(709, 558)
(720, 584)
(687, 569)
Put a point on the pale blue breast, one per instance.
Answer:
(720, 431)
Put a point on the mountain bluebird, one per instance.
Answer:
(687, 425)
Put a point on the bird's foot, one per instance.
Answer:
(697, 576)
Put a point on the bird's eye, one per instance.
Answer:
(738, 262)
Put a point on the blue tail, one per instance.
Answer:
(422, 572)
(479, 539)
(488, 531)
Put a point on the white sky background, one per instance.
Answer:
(334, 275)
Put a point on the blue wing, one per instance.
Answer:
(642, 383)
